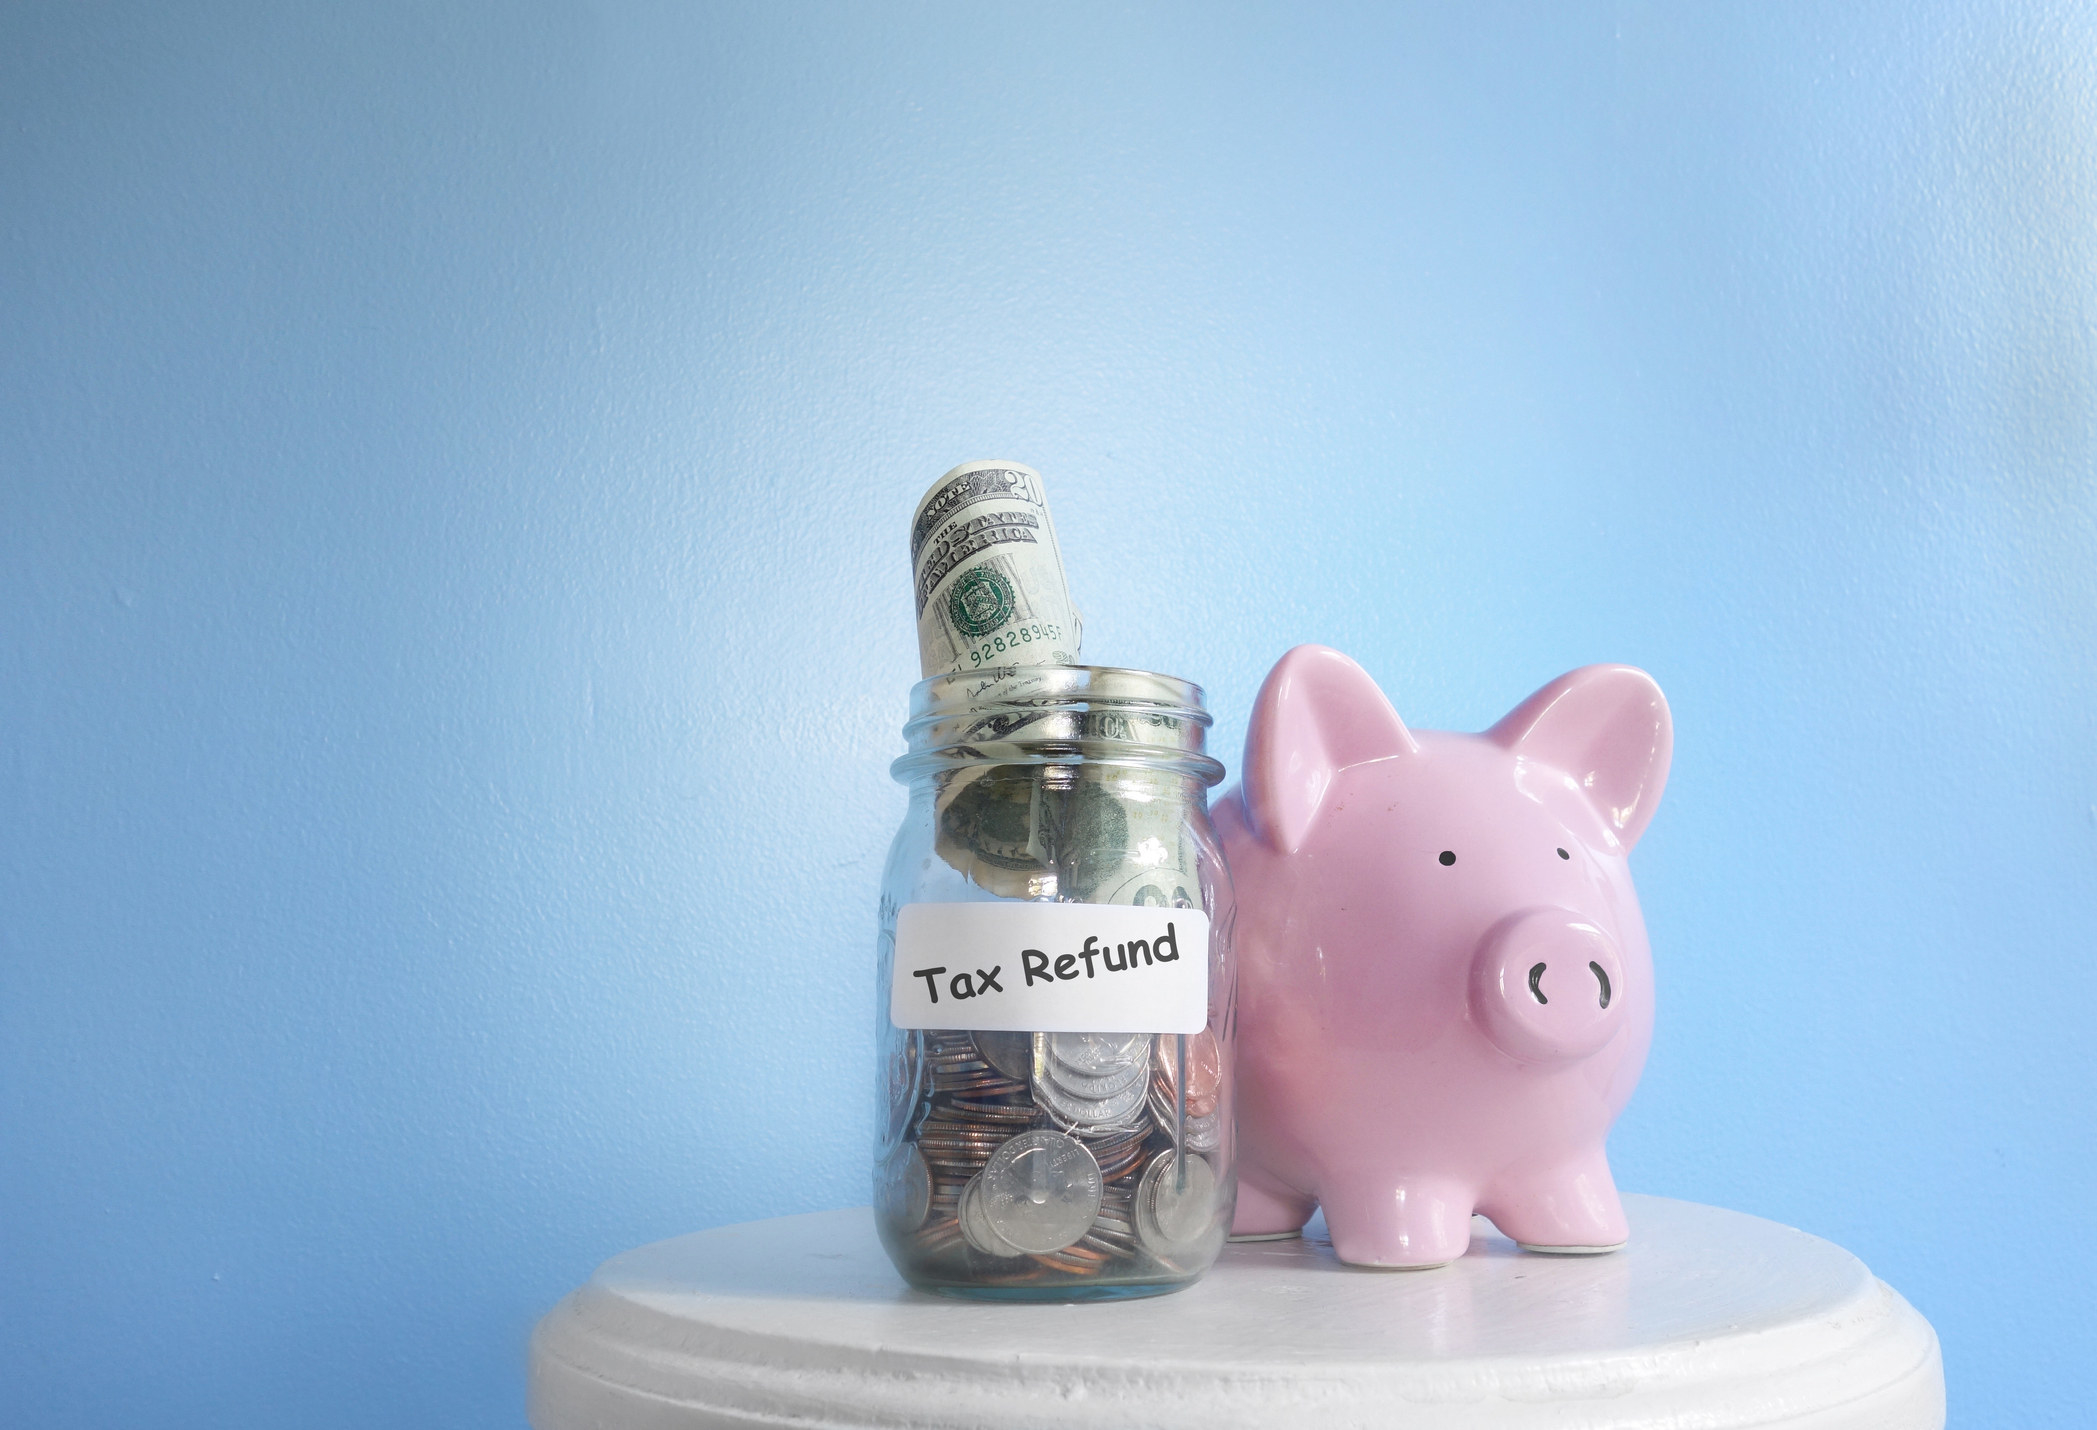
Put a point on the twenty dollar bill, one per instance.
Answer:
(988, 575)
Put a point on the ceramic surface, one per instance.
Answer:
(1446, 991)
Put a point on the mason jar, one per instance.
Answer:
(1056, 990)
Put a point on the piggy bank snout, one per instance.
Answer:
(1547, 985)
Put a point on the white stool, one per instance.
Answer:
(1708, 1318)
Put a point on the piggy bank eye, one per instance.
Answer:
(1448, 856)
(1563, 855)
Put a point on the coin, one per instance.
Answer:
(1204, 1068)
(1010, 1053)
(962, 1138)
(904, 1084)
(1086, 1085)
(1112, 1111)
(1040, 1191)
(944, 1046)
(1174, 1209)
(939, 1235)
(1117, 1150)
(1197, 1134)
(958, 1156)
(1098, 1054)
(976, 1228)
(1116, 1161)
(903, 1188)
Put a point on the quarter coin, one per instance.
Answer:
(1175, 1209)
(1091, 1111)
(1010, 1053)
(976, 1230)
(1093, 1085)
(1098, 1054)
(1040, 1191)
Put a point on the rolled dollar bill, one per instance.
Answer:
(987, 573)
(991, 596)
(987, 576)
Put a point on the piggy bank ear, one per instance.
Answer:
(1317, 714)
(1608, 727)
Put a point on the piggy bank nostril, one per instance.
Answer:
(1601, 978)
(1536, 989)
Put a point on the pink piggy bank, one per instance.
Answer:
(1445, 991)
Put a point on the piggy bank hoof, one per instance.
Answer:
(1572, 1250)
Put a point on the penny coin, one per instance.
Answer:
(1116, 1153)
(1010, 1053)
(903, 1189)
(1040, 1191)
(1204, 1068)
(1175, 1209)
(1197, 1134)
(1098, 1054)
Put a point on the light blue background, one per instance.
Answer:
(454, 464)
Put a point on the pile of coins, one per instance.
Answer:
(1026, 1158)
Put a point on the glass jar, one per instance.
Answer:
(1056, 991)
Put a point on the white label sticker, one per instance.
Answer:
(1051, 968)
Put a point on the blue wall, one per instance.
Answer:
(453, 623)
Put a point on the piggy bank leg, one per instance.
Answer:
(1267, 1210)
(1571, 1209)
(1408, 1224)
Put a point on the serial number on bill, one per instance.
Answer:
(1012, 640)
